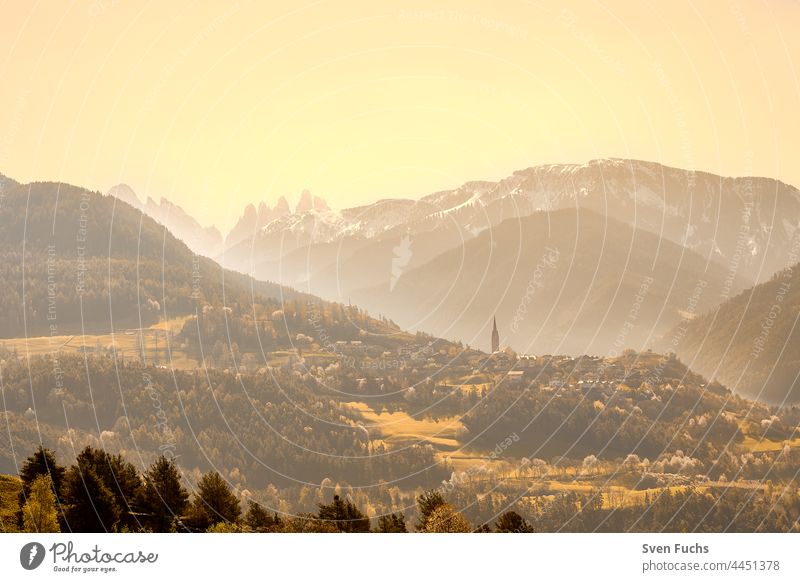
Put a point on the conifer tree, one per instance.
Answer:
(259, 519)
(344, 515)
(163, 498)
(90, 505)
(213, 503)
(120, 478)
(512, 522)
(392, 523)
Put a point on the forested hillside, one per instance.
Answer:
(70, 257)
(256, 428)
(751, 342)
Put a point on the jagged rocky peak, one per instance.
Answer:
(244, 227)
(126, 194)
(282, 205)
(308, 202)
(320, 204)
(250, 213)
(254, 219)
(204, 240)
(267, 214)
(305, 203)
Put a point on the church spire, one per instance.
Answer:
(495, 336)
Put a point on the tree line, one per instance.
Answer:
(102, 492)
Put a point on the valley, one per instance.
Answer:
(594, 395)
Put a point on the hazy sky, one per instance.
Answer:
(214, 105)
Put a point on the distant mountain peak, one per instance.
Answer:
(250, 212)
(305, 203)
(202, 240)
(126, 194)
(320, 204)
(308, 202)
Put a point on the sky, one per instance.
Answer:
(215, 105)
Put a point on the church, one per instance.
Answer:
(499, 359)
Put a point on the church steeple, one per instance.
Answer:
(495, 336)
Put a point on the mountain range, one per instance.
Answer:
(561, 282)
(729, 232)
(745, 224)
(574, 259)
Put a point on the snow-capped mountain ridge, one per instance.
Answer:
(715, 216)
(727, 220)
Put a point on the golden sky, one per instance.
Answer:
(216, 104)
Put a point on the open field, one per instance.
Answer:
(758, 444)
(155, 340)
(401, 428)
(613, 495)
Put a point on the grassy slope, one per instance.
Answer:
(9, 495)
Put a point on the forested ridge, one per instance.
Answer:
(752, 341)
(70, 256)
